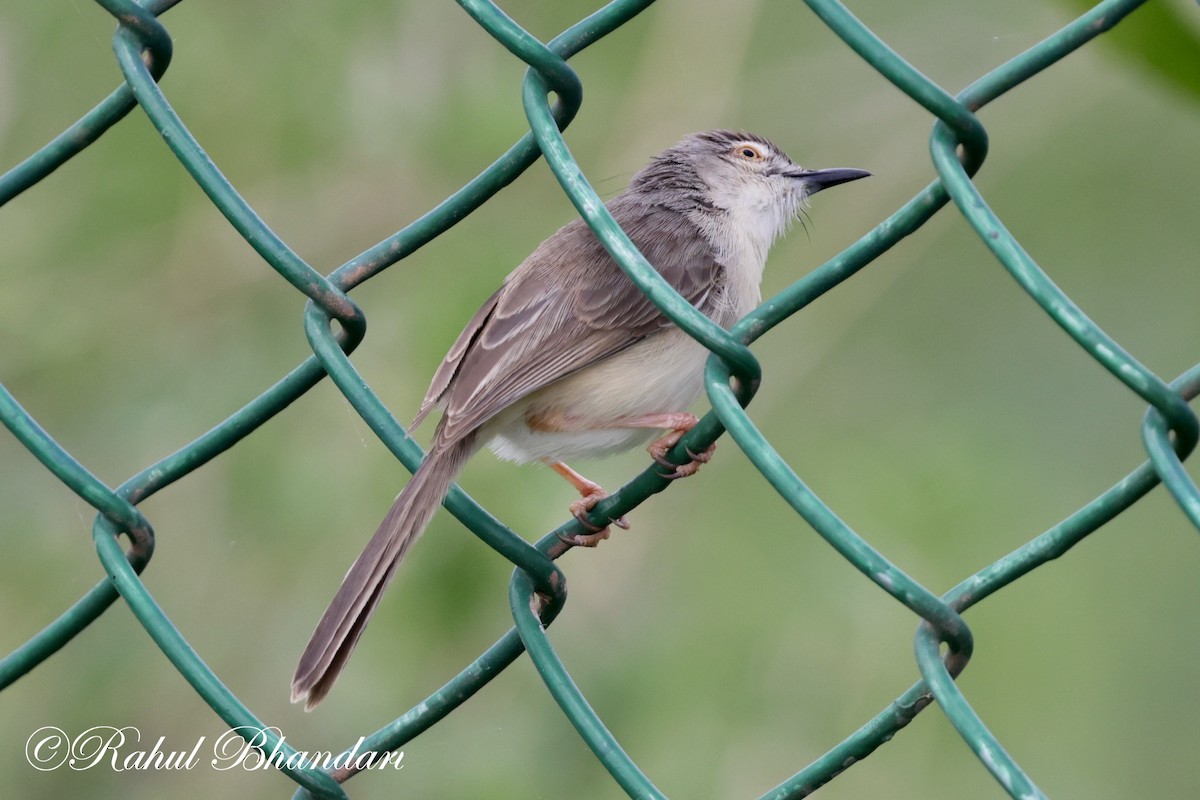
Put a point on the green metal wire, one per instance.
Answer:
(334, 326)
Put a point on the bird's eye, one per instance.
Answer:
(748, 152)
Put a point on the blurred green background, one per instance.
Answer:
(927, 401)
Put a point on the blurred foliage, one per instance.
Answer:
(1163, 38)
(927, 401)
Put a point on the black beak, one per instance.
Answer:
(818, 179)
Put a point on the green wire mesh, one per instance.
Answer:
(334, 326)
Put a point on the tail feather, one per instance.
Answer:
(344, 621)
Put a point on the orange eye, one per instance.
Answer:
(748, 151)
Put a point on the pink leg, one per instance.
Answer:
(590, 493)
(679, 423)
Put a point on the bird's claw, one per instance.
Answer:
(660, 447)
(580, 510)
(585, 539)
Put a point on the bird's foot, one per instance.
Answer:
(659, 448)
(580, 509)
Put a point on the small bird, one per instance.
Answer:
(569, 359)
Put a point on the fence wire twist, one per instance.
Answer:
(958, 147)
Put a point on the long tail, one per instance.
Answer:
(344, 621)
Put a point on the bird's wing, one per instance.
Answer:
(453, 360)
(567, 306)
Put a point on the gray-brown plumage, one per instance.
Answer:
(569, 359)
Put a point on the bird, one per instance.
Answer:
(568, 359)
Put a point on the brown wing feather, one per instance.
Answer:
(549, 320)
(449, 366)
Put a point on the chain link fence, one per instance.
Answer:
(335, 325)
